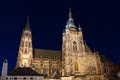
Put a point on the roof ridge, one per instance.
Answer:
(46, 49)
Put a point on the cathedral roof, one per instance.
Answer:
(53, 54)
(25, 71)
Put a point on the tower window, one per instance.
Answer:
(25, 51)
(76, 68)
(74, 45)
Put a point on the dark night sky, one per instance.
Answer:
(99, 19)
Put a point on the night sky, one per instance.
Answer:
(99, 19)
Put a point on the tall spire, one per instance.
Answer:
(70, 22)
(27, 26)
(25, 51)
(70, 13)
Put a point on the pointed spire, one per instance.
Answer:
(70, 13)
(79, 28)
(70, 22)
(27, 24)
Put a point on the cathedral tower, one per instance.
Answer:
(77, 58)
(72, 46)
(25, 49)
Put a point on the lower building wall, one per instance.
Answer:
(98, 77)
(46, 66)
(51, 79)
(95, 77)
(25, 78)
(67, 78)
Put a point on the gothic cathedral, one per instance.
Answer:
(75, 62)
(25, 49)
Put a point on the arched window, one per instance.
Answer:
(25, 51)
(76, 68)
(74, 45)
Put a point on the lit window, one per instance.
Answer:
(76, 66)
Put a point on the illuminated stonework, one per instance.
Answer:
(75, 62)
(77, 58)
(25, 49)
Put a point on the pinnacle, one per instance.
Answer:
(27, 24)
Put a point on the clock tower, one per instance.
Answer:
(25, 49)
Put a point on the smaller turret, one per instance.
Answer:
(4, 70)
(79, 28)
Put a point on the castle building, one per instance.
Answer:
(76, 61)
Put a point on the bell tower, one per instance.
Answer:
(72, 47)
(25, 49)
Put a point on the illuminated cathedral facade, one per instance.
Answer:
(76, 61)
